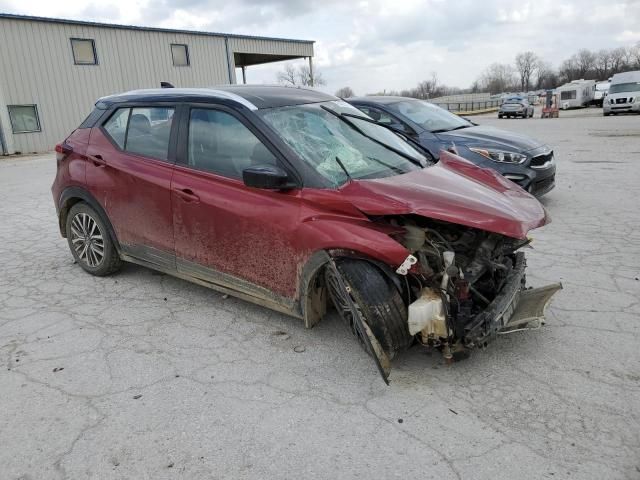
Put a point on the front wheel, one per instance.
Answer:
(377, 299)
(90, 242)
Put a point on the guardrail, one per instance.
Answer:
(469, 106)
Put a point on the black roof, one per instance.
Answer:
(379, 99)
(250, 96)
(66, 21)
(270, 96)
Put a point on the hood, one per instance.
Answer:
(453, 190)
(490, 136)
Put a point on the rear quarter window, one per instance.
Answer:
(92, 118)
(116, 126)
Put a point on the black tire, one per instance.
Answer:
(378, 300)
(85, 246)
(606, 114)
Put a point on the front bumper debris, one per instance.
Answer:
(529, 308)
(514, 308)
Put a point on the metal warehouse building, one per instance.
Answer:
(52, 71)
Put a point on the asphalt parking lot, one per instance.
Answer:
(141, 375)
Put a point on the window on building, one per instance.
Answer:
(220, 143)
(180, 55)
(24, 118)
(148, 132)
(84, 51)
(568, 95)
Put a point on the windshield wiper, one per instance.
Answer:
(344, 169)
(442, 130)
(345, 119)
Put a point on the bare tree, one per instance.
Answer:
(546, 77)
(307, 78)
(569, 69)
(526, 64)
(635, 53)
(617, 59)
(586, 61)
(301, 76)
(288, 76)
(345, 92)
(603, 63)
(498, 78)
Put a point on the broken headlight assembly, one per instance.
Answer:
(501, 156)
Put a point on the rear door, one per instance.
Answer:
(129, 169)
(226, 232)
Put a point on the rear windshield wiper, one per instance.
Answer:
(345, 119)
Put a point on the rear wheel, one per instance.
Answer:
(377, 299)
(90, 242)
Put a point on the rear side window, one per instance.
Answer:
(220, 143)
(148, 132)
(143, 131)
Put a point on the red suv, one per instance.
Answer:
(295, 200)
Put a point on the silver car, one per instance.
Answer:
(516, 107)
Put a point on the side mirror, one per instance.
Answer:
(268, 177)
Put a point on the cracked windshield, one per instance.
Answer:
(340, 146)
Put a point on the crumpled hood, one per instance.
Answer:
(453, 190)
(490, 136)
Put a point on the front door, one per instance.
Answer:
(226, 232)
(129, 171)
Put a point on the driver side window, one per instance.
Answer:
(221, 144)
(383, 118)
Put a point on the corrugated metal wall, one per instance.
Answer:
(36, 67)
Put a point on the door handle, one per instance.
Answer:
(98, 161)
(187, 195)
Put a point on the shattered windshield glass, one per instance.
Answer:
(429, 116)
(338, 147)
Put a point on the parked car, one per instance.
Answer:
(295, 200)
(520, 158)
(624, 94)
(516, 107)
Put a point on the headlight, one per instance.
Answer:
(499, 155)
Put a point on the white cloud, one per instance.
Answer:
(372, 45)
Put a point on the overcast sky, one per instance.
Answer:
(373, 45)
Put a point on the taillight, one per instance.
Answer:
(62, 151)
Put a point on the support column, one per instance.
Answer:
(311, 70)
(244, 74)
(6, 132)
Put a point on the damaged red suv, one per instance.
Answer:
(297, 201)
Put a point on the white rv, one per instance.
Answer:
(624, 94)
(576, 94)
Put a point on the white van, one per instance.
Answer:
(624, 94)
(576, 94)
(602, 89)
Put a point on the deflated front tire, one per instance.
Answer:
(376, 297)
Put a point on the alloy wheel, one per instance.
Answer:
(87, 240)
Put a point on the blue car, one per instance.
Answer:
(520, 158)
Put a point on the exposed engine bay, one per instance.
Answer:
(464, 286)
